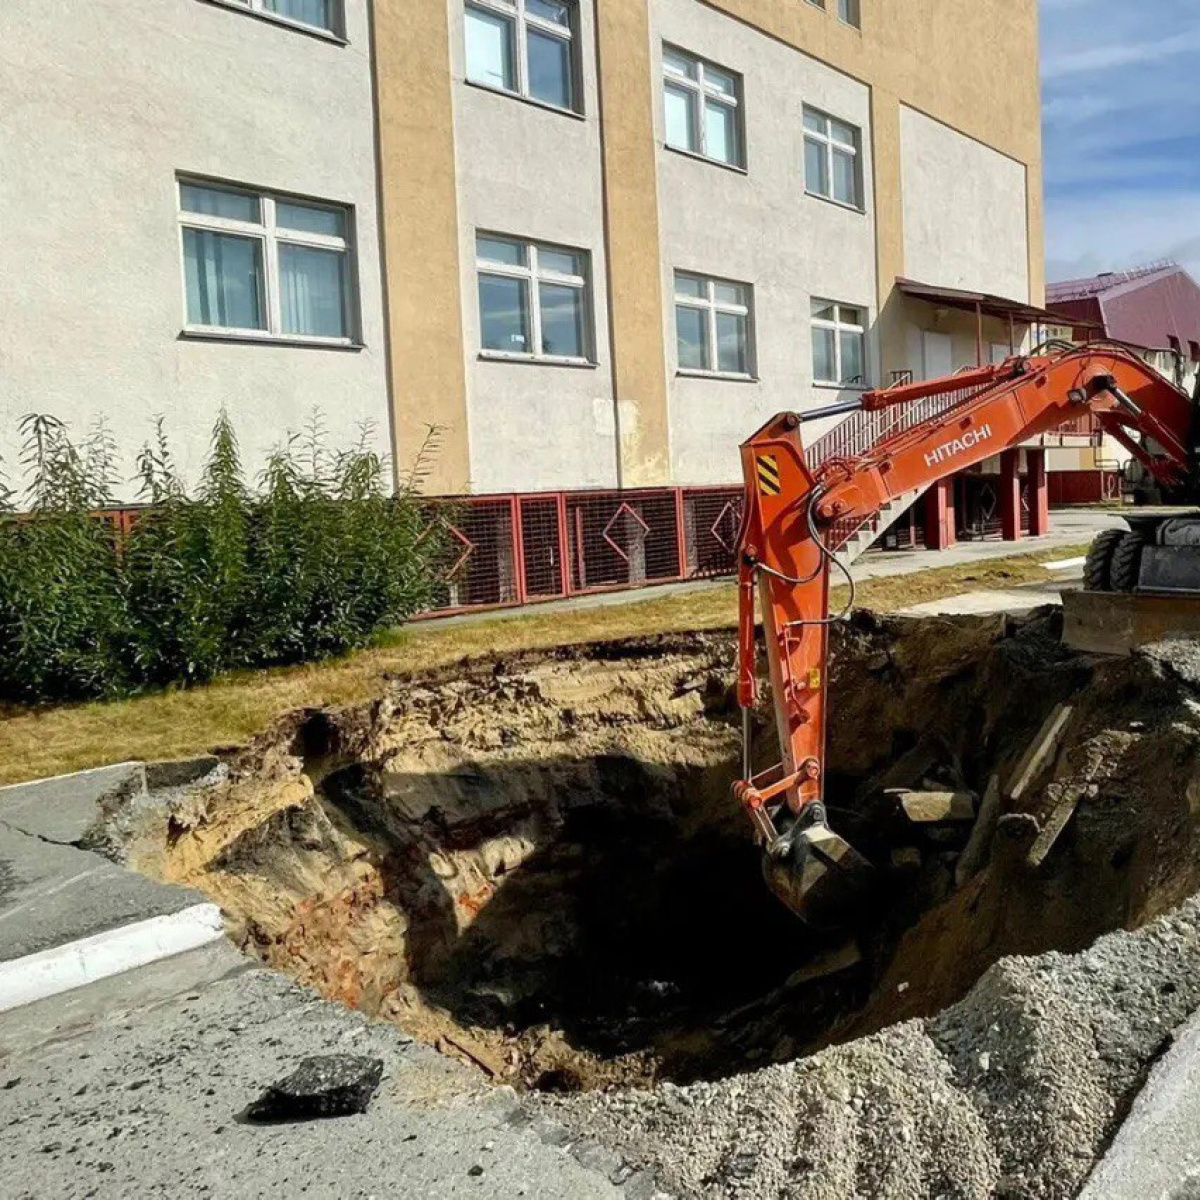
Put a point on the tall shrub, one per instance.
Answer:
(61, 606)
(185, 564)
(314, 562)
(337, 555)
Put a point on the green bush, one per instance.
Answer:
(61, 610)
(313, 562)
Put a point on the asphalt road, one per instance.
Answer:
(136, 1086)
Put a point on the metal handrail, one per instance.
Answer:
(865, 431)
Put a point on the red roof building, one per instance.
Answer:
(1156, 307)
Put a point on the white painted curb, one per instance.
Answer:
(25, 785)
(75, 964)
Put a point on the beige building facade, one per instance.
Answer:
(188, 200)
(588, 243)
(759, 204)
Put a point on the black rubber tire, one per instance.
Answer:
(1096, 577)
(1126, 562)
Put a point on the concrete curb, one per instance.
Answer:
(1155, 1152)
(76, 964)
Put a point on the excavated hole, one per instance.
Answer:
(534, 864)
(622, 945)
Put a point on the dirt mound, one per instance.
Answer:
(1012, 1092)
(533, 861)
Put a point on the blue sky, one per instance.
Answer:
(1121, 117)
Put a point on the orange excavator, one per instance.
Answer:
(802, 506)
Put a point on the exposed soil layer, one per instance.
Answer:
(533, 862)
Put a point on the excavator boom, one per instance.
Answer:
(800, 507)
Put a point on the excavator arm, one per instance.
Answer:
(801, 507)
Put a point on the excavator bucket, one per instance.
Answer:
(818, 875)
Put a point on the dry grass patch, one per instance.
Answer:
(36, 742)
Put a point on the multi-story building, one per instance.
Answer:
(620, 235)
(594, 244)
(188, 201)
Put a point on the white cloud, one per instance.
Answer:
(1121, 119)
(1059, 64)
(1111, 230)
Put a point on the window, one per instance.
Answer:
(712, 325)
(524, 47)
(848, 11)
(700, 108)
(831, 158)
(261, 265)
(838, 343)
(318, 14)
(533, 300)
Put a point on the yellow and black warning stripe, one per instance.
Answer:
(768, 475)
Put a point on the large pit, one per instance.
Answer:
(533, 863)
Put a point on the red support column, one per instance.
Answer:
(564, 541)
(939, 515)
(681, 534)
(1010, 495)
(1039, 493)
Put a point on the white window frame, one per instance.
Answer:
(516, 11)
(850, 13)
(534, 274)
(830, 145)
(838, 327)
(271, 237)
(711, 306)
(702, 94)
(259, 9)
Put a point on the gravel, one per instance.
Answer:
(1015, 1091)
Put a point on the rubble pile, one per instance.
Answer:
(1014, 1091)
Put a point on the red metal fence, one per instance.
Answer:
(517, 549)
(520, 549)
(1084, 487)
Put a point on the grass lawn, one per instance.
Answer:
(46, 741)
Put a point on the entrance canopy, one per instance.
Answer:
(980, 303)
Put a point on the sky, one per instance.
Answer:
(1121, 121)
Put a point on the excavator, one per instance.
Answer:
(802, 506)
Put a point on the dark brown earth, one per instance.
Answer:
(533, 861)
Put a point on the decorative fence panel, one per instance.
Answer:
(520, 549)
(504, 551)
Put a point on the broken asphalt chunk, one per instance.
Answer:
(331, 1085)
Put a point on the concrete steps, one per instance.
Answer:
(876, 527)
